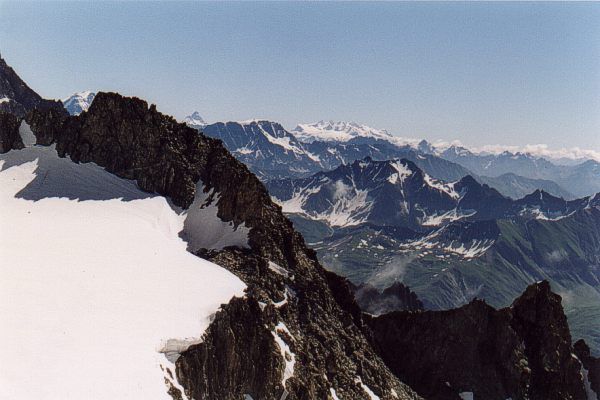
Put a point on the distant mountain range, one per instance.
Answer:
(274, 153)
(378, 222)
(398, 193)
(126, 209)
(516, 186)
(579, 179)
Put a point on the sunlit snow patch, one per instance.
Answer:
(348, 206)
(432, 244)
(94, 281)
(288, 357)
(472, 249)
(368, 391)
(333, 394)
(447, 188)
(278, 269)
(536, 213)
(402, 172)
(442, 218)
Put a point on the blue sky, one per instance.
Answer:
(481, 73)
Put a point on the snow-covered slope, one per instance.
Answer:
(330, 131)
(79, 102)
(97, 287)
(195, 120)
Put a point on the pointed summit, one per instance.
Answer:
(194, 120)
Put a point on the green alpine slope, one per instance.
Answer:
(494, 260)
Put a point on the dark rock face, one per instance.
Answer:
(9, 132)
(550, 204)
(538, 318)
(130, 140)
(290, 297)
(521, 352)
(488, 202)
(461, 347)
(396, 297)
(250, 365)
(590, 363)
(17, 97)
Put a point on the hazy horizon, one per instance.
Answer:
(509, 74)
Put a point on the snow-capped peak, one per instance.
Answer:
(456, 151)
(330, 131)
(195, 120)
(79, 102)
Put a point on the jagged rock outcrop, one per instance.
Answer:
(520, 352)
(395, 297)
(16, 97)
(591, 366)
(539, 320)
(9, 132)
(289, 333)
(130, 140)
(253, 362)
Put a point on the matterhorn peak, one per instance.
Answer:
(195, 120)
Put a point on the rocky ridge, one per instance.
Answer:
(395, 297)
(288, 334)
(520, 352)
(18, 98)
